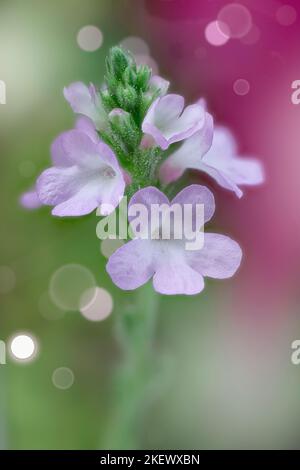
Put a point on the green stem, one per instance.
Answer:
(136, 331)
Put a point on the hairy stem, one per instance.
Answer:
(136, 373)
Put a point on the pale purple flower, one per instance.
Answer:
(215, 153)
(167, 121)
(86, 101)
(85, 175)
(30, 200)
(174, 269)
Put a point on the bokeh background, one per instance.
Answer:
(229, 379)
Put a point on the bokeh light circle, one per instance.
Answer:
(68, 284)
(63, 378)
(235, 20)
(286, 15)
(215, 35)
(109, 246)
(135, 45)
(96, 304)
(23, 347)
(89, 38)
(241, 86)
(7, 279)
(145, 59)
(252, 36)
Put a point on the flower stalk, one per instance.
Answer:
(137, 371)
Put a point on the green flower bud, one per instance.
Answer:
(143, 77)
(127, 97)
(117, 62)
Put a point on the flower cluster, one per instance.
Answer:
(133, 137)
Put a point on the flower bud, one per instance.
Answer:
(118, 61)
(143, 77)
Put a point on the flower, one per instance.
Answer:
(85, 174)
(175, 270)
(167, 123)
(215, 153)
(86, 101)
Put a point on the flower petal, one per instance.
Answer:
(131, 265)
(165, 124)
(219, 258)
(159, 84)
(55, 185)
(172, 279)
(29, 200)
(221, 178)
(82, 151)
(86, 125)
(82, 203)
(147, 198)
(248, 171)
(197, 194)
(59, 156)
(84, 100)
(223, 164)
(190, 153)
(76, 191)
(224, 144)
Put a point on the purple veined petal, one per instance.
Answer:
(173, 274)
(219, 258)
(82, 203)
(82, 151)
(174, 279)
(29, 200)
(190, 154)
(55, 185)
(147, 198)
(108, 156)
(166, 122)
(86, 125)
(84, 100)
(197, 194)
(131, 265)
(79, 148)
(110, 195)
(157, 83)
(59, 156)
